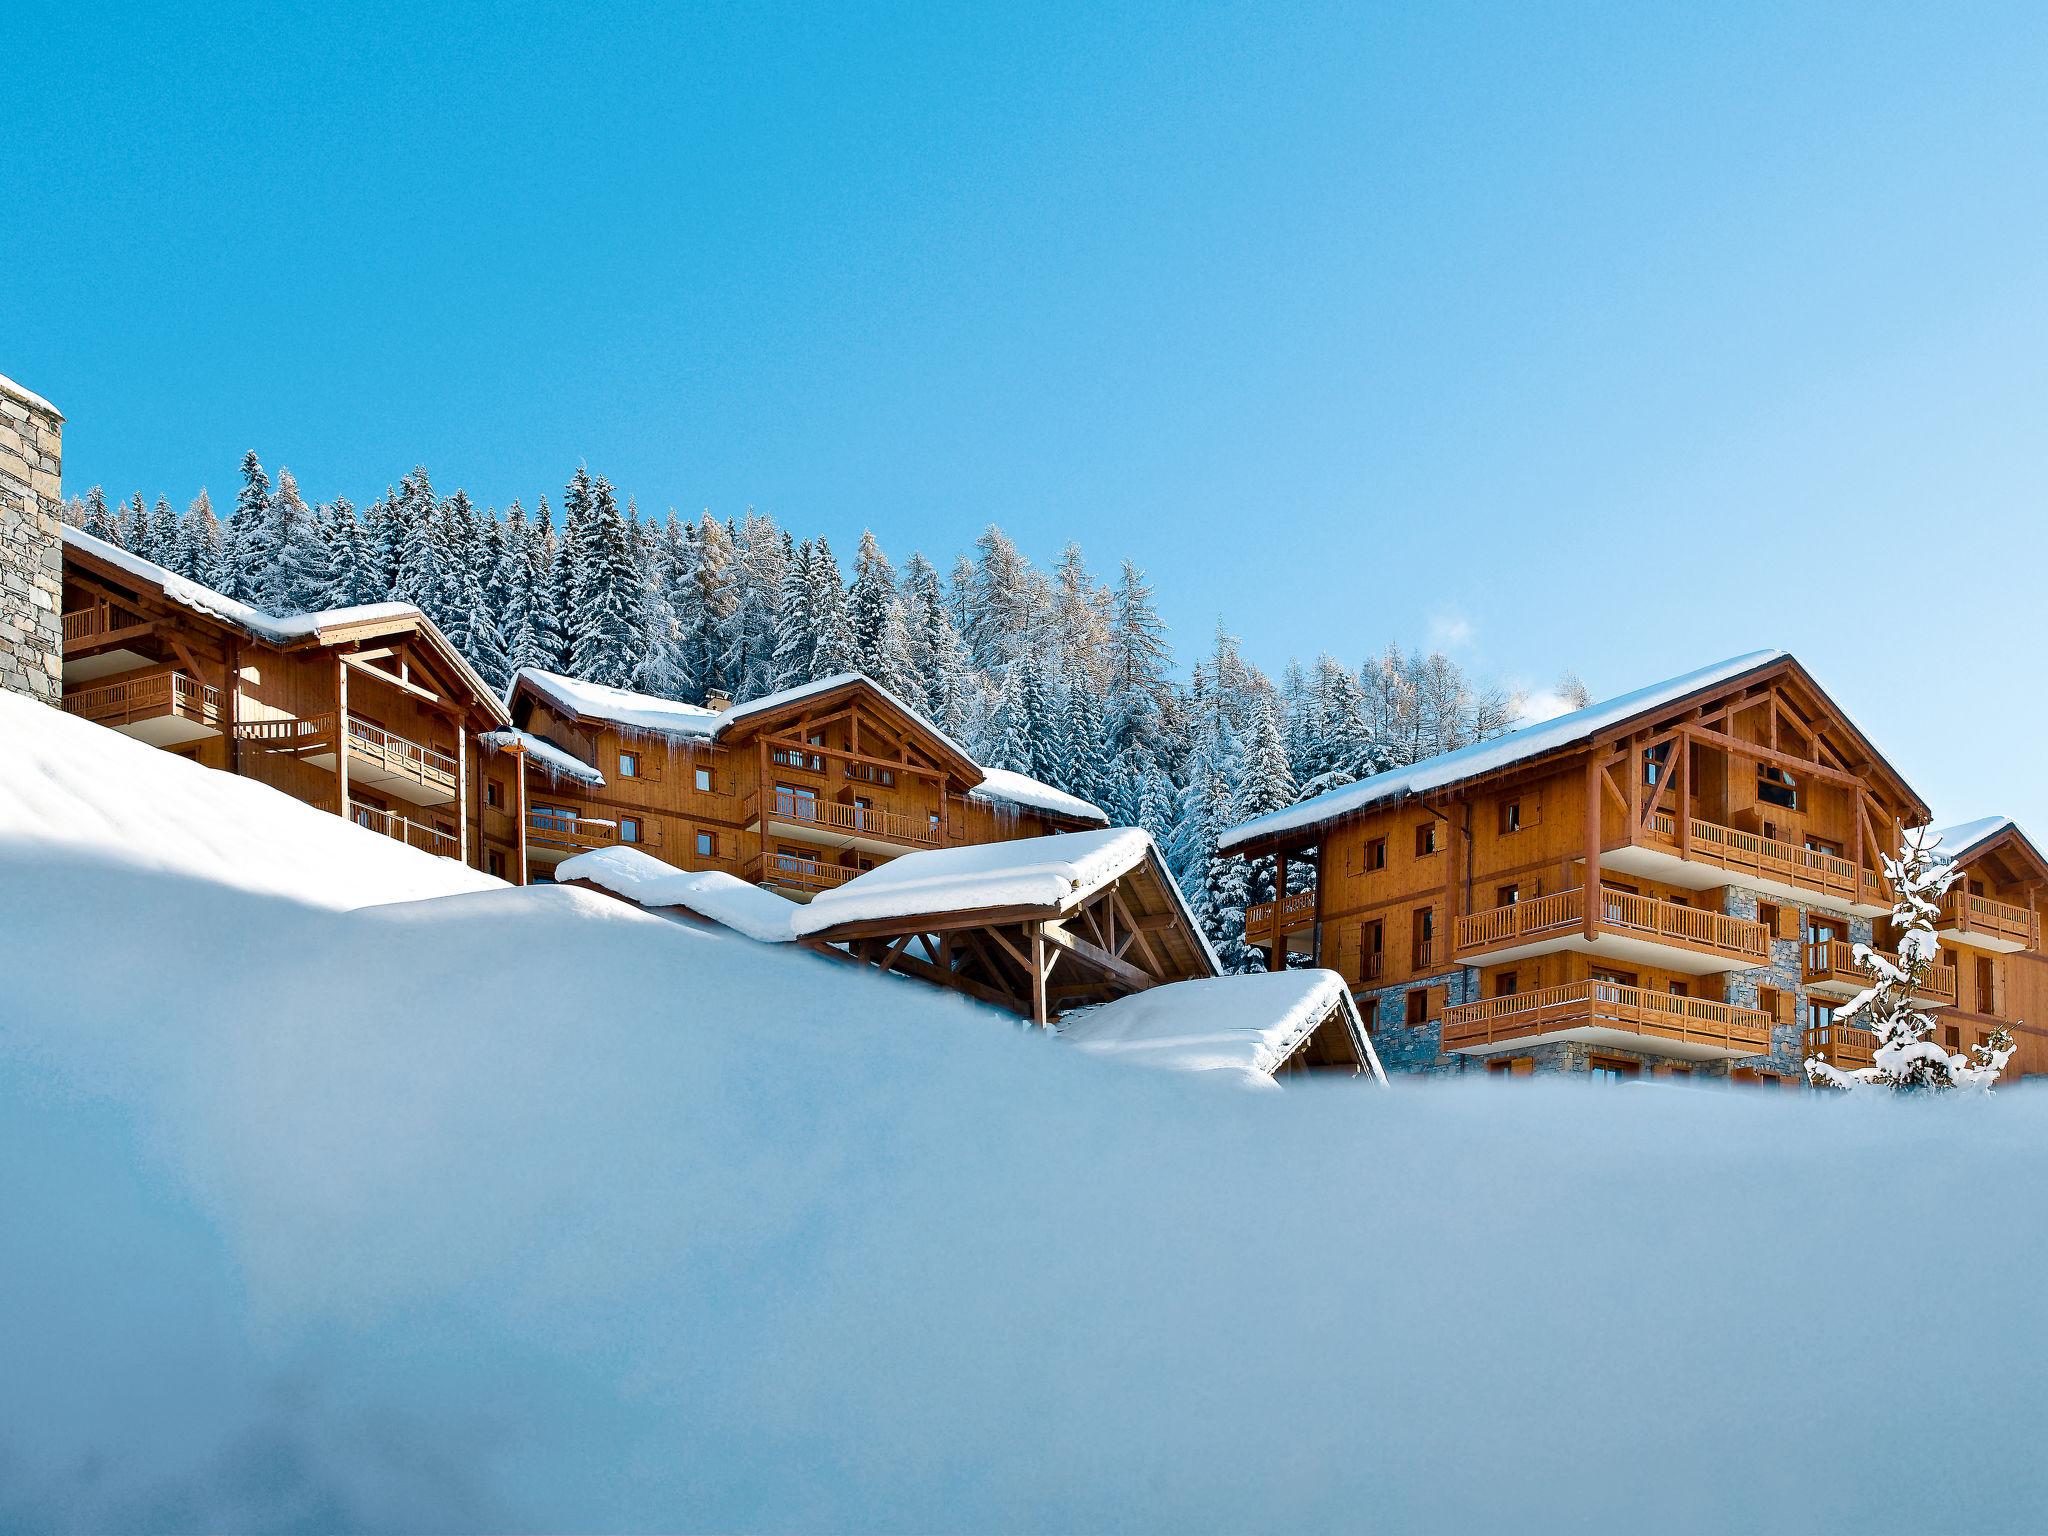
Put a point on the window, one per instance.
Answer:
(1504, 984)
(1767, 1002)
(1372, 950)
(1510, 816)
(1679, 988)
(797, 802)
(707, 845)
(1424, 937)
(1823, 845)
(1952, 1037)
(1425, 839)
(1987, 985)
(1418, 1006)
(1376, 854)
(704, 781)
(1513, 1066)
(1774, 786)
(1656, 761)
(494, 793)
(1613, 1069)
(494, 861)
(629, 829)
(1369, 1013)
(1767, 914)
(1507, 895)
(1819, 1015)
(629, 765)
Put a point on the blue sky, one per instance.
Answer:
(1617, 337)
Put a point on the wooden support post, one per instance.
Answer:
(1590, 884)
(1681, 753)
(462, 789)
(519, 828)
(1039, 1014)
(234, 684)
(341, 733)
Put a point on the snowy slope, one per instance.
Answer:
(521, 1209)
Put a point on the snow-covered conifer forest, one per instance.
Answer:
(1059, 674)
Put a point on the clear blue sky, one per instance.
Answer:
(1618, 337)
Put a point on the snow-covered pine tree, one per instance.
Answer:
(351, 567)
(836, 652)
(761, 555)
(297, 571)
(97, 520)
(163, 533)
(796, 621)
(200, 555)
(607, 629)
(874, 615)
(1081, 614)
(245, 552)
(544, 586)
(708, 609)
(1906, 1058)
(1265, 783)
(938, 658)
(1084, 765)
(1139, 662)
(999, 612)
(135, 527)
(416, 575)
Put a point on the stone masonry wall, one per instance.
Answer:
(31, 547)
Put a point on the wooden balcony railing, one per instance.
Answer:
(1752, 853)
(1832, 962)
(568, 829)
(1977, 914)
(147, 696)
(426, 766)
(866, 821)
(1841, 1046)
(1620, 912)
(1607, 1005)
(412, 833)
(84, 625)
(803, 874)
(1266, 921)
(289, 733)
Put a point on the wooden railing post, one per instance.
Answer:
(1591, 881)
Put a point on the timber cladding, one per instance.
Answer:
(1656, 877)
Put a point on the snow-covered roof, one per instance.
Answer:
(278, 629)
(1006, 788)
(543, 754)
(28, 396)
(712, 893)
(783, 697)
(621, 706)
(1490, 756)
(1245, 1024)
(1960, 841)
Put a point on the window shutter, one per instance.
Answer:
(1788, 922)
(1436, 1001)
(1532, 810)
(1786, 1004)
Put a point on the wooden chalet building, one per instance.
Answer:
(368, 712)
(1669, 882)
(799, 791)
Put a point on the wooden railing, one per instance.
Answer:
(566, 829)
(1834, 960)
(1266, 920)
(1619, 912)
(1841, 1046)
(87, 623)
(865, 820)
(289, 733)
(149, 696)
(1980, 914)
(1607, 1005)
(803, 874)
(412, 833)
(427, 766)
(1768, 857)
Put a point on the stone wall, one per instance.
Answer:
(31, 548)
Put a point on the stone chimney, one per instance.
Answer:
(31, 547)
(719, 700)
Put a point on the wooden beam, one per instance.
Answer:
(1591, 879)
(1039, 971)
(1122, 971)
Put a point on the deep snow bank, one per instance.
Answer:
(520, 1209)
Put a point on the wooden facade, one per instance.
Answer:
(368, 713)
(799, 796)
(1632, 891)
(1991, 926)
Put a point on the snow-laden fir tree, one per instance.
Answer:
(97, 519)
(163, 533)
(351, 566)
(1265, 783)
(199, 556)
(135, 527)
(938, 657)
(299, 571)
(245, 552)
(1906, 1059)
(836, 652)
(606, 630)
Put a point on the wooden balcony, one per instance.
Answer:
(1267, 922)
(833, 822)
(1604, 1012)
(1714, 853)
(390, 765)
(1980, 922)
(1628, 928)
(164, 708)
(1842, 1046)
(413, 834)
(807, 876)
(570, 831)
(1830, 968)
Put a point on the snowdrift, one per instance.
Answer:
(471, 1207)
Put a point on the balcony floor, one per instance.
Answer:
(1668, 868)
(375, 776)
(167, 730)
(1609, 1039)
(1979, 938)
(1626, 950)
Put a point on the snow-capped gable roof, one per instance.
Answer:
(1531, 741)
(543, 754)
(1004, 787)
(619, 706)
(710, 893)
(1968, 840)
(1248, 1024)
(326, 626)
(1053, 873)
